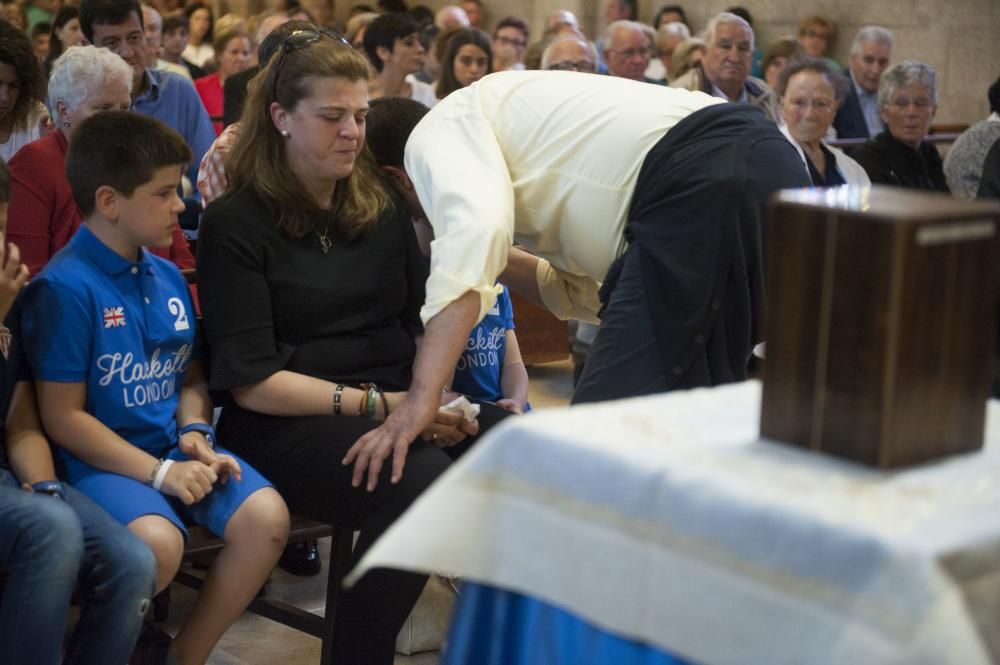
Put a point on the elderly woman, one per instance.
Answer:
(907, 98)
(232, 54)
(43, 216)
(23, 117)
(810, 94)
(311, 281)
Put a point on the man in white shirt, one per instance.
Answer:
(657, 193)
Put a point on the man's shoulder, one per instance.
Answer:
(690, 80)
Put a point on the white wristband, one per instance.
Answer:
(161, 474)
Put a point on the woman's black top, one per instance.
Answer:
(274, 303)
(891, 162)
(832, 177)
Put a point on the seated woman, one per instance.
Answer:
(23, 117)
(810, 95)
(468, 57)
(43, 216)
(232, 53)
(907, 98)
(311, 283)
(817, 34)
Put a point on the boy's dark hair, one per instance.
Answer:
(676, 9)
(119, 149)
(384, 31)
(174, 22)
(4, 182)
(389, 6)
(515, 22)
(106, 12)
(41, 29)
(390, 122)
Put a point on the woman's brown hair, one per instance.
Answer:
(258, 162)
(448, 84)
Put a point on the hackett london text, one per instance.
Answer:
(144, 382)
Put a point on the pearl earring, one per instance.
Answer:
(284, 132)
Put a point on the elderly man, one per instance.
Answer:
(859, 115)
(725, 70)
(451, 16)
(627, 51)
(570, 54)
(655, 197)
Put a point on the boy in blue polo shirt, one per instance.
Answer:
(110, 336)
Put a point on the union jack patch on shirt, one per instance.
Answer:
(114, 317)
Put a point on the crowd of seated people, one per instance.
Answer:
(284, 227)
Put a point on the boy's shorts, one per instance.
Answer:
(127, 499)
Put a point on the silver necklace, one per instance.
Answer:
(324, 239)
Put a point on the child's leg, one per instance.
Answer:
(167, 543)
(254, 536)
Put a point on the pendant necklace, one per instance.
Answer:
(324, 239)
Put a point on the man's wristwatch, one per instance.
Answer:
(204, 428)
(50, 487)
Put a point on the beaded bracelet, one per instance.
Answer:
(338, 393)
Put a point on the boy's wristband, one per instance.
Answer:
(204, 428)
(161, 473)
(50, 487)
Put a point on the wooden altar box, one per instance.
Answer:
(881, 324)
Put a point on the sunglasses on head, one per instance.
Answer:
(300, 39)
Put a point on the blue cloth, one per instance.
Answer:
(478, 371)
(494, 627)
(127, 330)
(173, 100)
(128, 499)
(49, 546)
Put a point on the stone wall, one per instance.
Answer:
(959, 38)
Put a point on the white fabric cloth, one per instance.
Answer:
(24, 134)
(421, 92)
(852, 172)
(666, 520)
(548, 159)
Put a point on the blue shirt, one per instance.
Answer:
(478, 371)
(869, 108)
(173, 100)
(126, 330)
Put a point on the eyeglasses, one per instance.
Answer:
(629, 52)
(300, 39)
(507, 41)
(573, 66)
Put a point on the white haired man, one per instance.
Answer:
(725, 70)
(571, 54)
(859, 116)
(627, 50)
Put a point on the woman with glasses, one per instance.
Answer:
(467, 58)
(907, 98)
(809, 97)
(311, 286)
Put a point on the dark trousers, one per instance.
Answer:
(302, 458)
(682, 305)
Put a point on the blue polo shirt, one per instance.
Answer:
(478, 371)
(125, 329)
(173, 100)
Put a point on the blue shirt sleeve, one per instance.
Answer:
(57, 330)
(194, 123)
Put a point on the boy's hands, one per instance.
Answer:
(196, 446)
(13, 275)
(189, 481)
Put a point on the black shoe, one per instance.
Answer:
(301, 558)
(153, 647)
